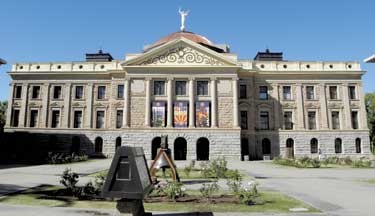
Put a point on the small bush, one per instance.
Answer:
(247, 194)
(173, 190)
(362, 163)
(205, 169)
(207, 190)
(315, 163)
(63, 158)
(218, 167)
(99, 182)
(69, 179)
(234, 180)
(189, 168)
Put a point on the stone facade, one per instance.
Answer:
(242, 120)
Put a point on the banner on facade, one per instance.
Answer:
(180, 118)
(202, 114)
(158, 114)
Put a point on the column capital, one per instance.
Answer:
(213, 78)
(191, 78)
(148, 78)
(170, 78)
(235, 78)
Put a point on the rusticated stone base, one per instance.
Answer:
(131, 207)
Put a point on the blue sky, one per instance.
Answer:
(319, 30)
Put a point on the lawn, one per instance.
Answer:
(271, 202)
(368, 181)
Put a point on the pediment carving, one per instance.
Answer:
(182, 55)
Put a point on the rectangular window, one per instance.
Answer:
(335, 120)
(180, 88)
(101, 92)
(243, 119)
(159, 88)
(311, 120)
(99, 119)
(202, 88)
(180, 114)
(55, 119)
(288, 120)
(243, 91)
(120, 91)
(263, 92)
(287, 93)
(79, 92)
(56, 92)
(33, 118)
(264, 120)
(310, 93)
(119, 118)
(77, 119)
(158, 114)
(35, 92)
(352, 93)
(202, 114)
(333, 92)
(354, 119)
(17, 92)
(15, 117)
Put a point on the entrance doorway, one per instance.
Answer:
(289, 151)
(98, 145)
(180, 149)
(118, 143)
(203, 149)
(155, 144)
(244, 148)
(266, 147)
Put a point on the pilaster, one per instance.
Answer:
(191, 103)
(323, 106)
(126, 110)
(300, 109)
(213, 103)
(235, 102)
(148, 103)
(67, 101)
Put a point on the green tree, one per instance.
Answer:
(370, 108)
(3, 112)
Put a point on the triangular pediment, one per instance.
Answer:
(181, 52)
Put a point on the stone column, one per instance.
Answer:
(276, 106)
(24, 107)
(323, 107)
(170, 102)
(346, 103)
(126, 109)
(89, 96)
(362, 109)
(235, 102)
(300, 108)
(213, 103)
(67, 100)
(191, 103)
(10, 106)
(44, 112)
(148, 103)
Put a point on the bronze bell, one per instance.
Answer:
(162, 162)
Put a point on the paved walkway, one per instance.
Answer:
(20, 178)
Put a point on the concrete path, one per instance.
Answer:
(20, 178)
(336, 191)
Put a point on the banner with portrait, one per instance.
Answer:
(202, 114)
(158, 114)
(180, 112)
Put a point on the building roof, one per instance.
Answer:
(370, 59)
(188, 35)
(2, 61)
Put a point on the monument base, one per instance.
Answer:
(131, 207)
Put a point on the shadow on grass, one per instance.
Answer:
(187, 214)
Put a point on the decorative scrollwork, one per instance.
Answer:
(182, 55)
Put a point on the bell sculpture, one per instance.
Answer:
(163, 160)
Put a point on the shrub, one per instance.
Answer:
(207, 190)
(173, 190)
(189, 168)
(362, 163)
(234, 180)
(99, 182)
(248, 193)
(325, 162)
(315, 163)
(218, 167)
(69, 179)
(62, 158)
(205, 169)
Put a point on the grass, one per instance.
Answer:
(272, 202)
(368, 181)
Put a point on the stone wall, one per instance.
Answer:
(225, 112)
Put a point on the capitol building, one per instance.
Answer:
(200, 95)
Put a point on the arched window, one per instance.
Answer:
(266, 146)
(290, 143)
(180, 148)
(314, 146)
(358, 148)
(203, 149)
(98, 145)
(338, 146)
(118, 142)
(155, 144)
